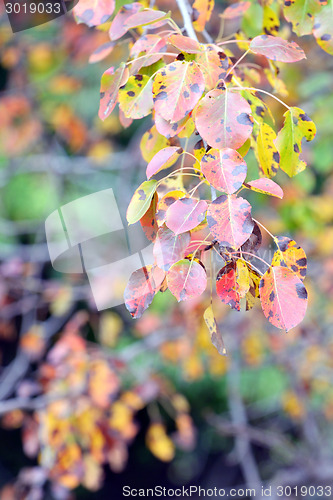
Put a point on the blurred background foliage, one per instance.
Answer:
(93, 401)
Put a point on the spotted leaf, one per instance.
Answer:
(169, 247)
(291, 255)
(226, 286)
(118, 27)
(201, 12)
(283, 297)
(141, 289)
(297, 126)
(271, 22)
(253, 293)
(252, 245)
(223, 119)
(163, 205)
(135, 98)
(323, 27)
(235, 10)
(186, 279)
(144, 46)
(185, 214)
(266, 151)
(148, 221)
(163, 159)
(110, 84)
(214, 65)
(265, 186)
(93, 13)
(277, 49)
(214, 331)
(224, 168)
(229, 220)
(140, 201)
(301, 14)
(152, 141)
(177, 88)
(170, 129)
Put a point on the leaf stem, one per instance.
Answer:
(240, 87)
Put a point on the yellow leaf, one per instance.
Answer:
(159, 443)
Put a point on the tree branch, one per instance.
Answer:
(185, 12)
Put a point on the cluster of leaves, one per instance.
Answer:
(204, 107)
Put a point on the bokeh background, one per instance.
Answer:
(92, 401)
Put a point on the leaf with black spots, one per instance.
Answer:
(301, 14)
(271, 21)
(201, 12)
(185, 214)
(291, 255)
(297, 126)
(136, 98)
(277, 49)
(265, 186)
(110, 84)
(225, 169)
(226, 286)
(148, 221)
(152, 141)
(186, 279)
(229, 220)
(141, 201)
(163, 159)
(93, 13)
(223, 119)
(283, 297)
(215, 334)
(323, 27)
(170, 247)
(144, 46)
(166, 201)
(266, 152)
(177, 88)
(141, 289)
(170, 129)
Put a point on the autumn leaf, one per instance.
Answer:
(229, 220)
(265, 186)
(297, 126)
(118, 27)
(271, 21)
(110, 84)
(144, 46)
(148, 221)
(185, 44)
(177, 88)
(277, 49)
(163, 159)
(291, 255)
(93, 13)
(169, 247)
(235, 10)
(214, 65)
(159, 443)
(253, 244)
(151, 143)
(223, 119)
(185, 214)
(215, 334)
(135, 97)
(225, 169)
(283, 297)
(266, 151)
(186, 279)
(301, 15)
(141, 289)
(140, 201)
(201, 12)
(165, 202)
(323, 27)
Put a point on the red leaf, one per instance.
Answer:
(265, 186)
(185, 214)
(223, 119)
(110, 83)
(141, 289)
(229, 220)
(186, 279)
(185, 44)
(118, 27)
(224, 168)
(93, 13)
(148, 221)
(276, 48)
(169, 247)
(144, 17)
(283, 297)
(235, 10)
(226, 282)
(177, 88)
(165, 158)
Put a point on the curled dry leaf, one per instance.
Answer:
(291, 255)
(93, 13)
(140, 201)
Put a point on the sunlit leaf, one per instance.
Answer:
(163, 159)
(291, 255)
(141, 289)
(110, 84)
(159, 443)
(186, 279)
(253, 293)
(297, 126)
(283, 297)
(226, 286)
(177, 88)
(201, 12)
(140, 201)
(265, 186)
(252, 245)
(185, 214)
(93, 13)
(144, 46)
(229, 220)
(276, 48)
(170, 247)
(223, 119)
(135, 98)
(224, 168)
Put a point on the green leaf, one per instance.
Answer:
(301, 15)
(140, 201)
(136, 98)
